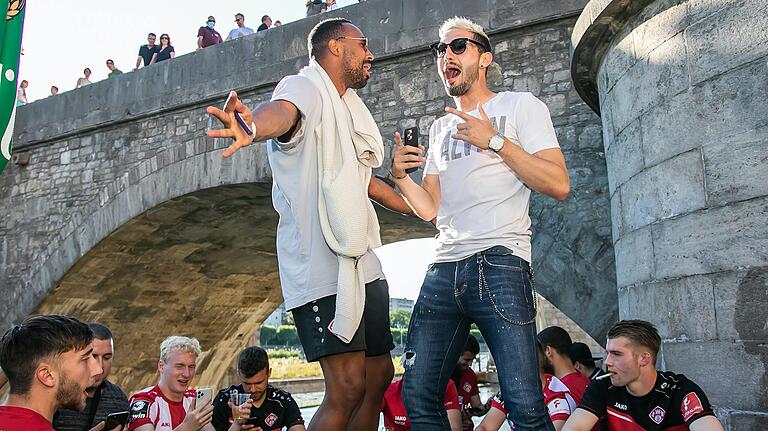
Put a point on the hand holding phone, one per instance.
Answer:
(115, 420)
(229, 107)
(412, 139)
(203, 397)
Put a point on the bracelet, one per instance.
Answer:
(397, 178)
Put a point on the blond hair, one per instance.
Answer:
(493, 73)
(176, 343)
(462, 23)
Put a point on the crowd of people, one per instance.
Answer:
(486, 156)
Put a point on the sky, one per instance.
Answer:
(63, 37)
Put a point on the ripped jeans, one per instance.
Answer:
(493, 289)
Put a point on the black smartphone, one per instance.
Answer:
(115, 419)
(412, 139)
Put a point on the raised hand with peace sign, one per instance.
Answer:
(476, 131)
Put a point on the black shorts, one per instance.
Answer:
(373, 335)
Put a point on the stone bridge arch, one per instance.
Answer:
(103, 154)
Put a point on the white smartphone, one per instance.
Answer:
(204, 396)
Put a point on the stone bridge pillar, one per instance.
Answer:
(681, 87)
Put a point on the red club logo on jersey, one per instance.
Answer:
(467, 387)
(657, 415)
(271, 419)
(691, 406)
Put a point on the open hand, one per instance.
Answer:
(231, 128)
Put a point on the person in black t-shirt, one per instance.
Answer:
(147, 51)
(270, 408)
(637, 397)
(165, 51)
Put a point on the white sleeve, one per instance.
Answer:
(303, 94)
(534, 125)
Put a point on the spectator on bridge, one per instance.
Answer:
(171, 403)
(266, 23)
(636, 396)
(270, 408)
(207, 36)
(82, 82)
(560, 403)
(104, 397)
(466, 385)
(396, 418)
(54, 90)
(584, 362)
(351, 340)
(241, 29)
(278, 23)
(330, 5)
(147, 51)
(557, 360)
(114, 71)
(315, 7)
(49, 363)
(165, 50)
(21, 93)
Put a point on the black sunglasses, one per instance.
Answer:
(458, 46)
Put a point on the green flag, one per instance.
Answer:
(10, 38)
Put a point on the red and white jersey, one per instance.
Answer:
(151, 406)
(560, 403)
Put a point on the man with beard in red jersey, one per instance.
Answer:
(485, 158)
(323, 146)
(49, 363)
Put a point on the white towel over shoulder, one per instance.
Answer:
(346, 155)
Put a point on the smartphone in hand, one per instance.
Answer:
(204, 396)
(115, 419)
(412, 139)
(240, 121)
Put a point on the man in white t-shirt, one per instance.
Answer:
(484, 159)
(357, 372)
(241, 29)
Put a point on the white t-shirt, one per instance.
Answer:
(308, 268)
(483, 203)
(240, 32)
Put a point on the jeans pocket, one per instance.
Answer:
(506, 284)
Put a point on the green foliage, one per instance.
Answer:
(268, 335)
(476, 332)
(399, 336)
(399, 318)
(287, 335)
(283, 353)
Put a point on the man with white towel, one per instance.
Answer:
(323, 146)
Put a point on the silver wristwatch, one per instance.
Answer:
(496, 143)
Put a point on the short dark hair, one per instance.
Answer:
(152, 34)
(252, 360)
(264, 18)
(639, 332)
(239, 15)
(100, 332)
(556, 338)
(471, 345)
(322, 33)
(109, 60)
(38, 338)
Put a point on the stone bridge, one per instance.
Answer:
(126, 212)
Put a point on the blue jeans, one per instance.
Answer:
(493, 289)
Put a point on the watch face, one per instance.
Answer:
(496, 143)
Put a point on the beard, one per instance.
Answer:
(355, 73)
(460, 89)
(547, 367)
(70, 395)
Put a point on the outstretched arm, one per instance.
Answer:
(384, 195)
(276, 119)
